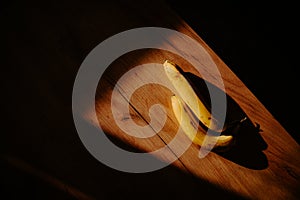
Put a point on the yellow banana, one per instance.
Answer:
(190, 128)
(188, 95)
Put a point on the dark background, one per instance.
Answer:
(258, 43)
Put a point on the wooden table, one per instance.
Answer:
(44, 54)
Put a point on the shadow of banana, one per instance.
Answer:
(248, 146)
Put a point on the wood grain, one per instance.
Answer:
(279, 155)
(247, 174)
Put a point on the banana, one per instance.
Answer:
(190, 128)
(188, 95)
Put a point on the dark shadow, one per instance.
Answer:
(248, 144)
(170, 178)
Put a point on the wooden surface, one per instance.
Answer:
(264, 163)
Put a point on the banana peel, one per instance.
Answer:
(187, 106)
(188, 95)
